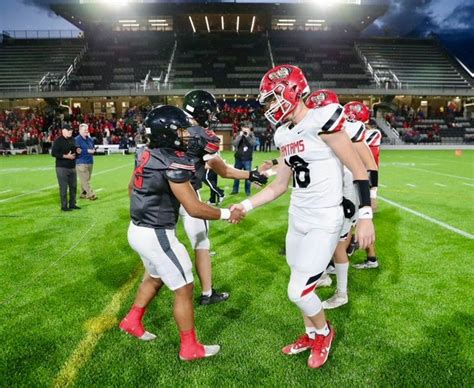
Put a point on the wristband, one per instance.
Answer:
(247, 205)
(373, 192)
(373, 178)
(274, 162)
(363, 191)
(225, 214)
(365, 213)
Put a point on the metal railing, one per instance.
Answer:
(43, 34)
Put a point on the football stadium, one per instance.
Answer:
(236, 193)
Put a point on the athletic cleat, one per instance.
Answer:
(199, 351)
(216, 297)
(136, 330)
(330, 269)
(324, 281)
(303, 343)
(337, 300)
(320, 349)
(353, 246)
(368, 264)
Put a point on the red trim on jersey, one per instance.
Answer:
(177, 166)
(210, 147)
(339, 125)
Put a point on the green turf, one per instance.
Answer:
(407, 324)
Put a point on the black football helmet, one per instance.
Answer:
(162, 126)
(202, 105)
(202, 141)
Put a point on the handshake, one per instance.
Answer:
(237, 213)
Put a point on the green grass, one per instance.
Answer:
(407, 324)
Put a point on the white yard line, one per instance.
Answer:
(381, 185)
(101, 189)
(410, 185)
(440, 173)
(440, 184)
(55, 185)
(468, 184)
(4, 191)
(428, 218)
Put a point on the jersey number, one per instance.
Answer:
(300, 169)
(138, 180)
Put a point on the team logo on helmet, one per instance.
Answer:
(281, 73)
(320, 97)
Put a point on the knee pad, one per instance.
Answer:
(301, 293)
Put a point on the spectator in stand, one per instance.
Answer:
(65, 152)
(268, 140)
(85, 162)
(243, 143)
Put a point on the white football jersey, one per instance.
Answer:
(355, 130)
(373, 137)
(317, 172)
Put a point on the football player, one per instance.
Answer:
(161, 184)
(314, 147)
(202, 106)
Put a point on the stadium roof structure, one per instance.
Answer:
(210, 16)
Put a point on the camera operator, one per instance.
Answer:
(244, 144)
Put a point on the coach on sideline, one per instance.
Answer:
(84, 161)
(65, 151)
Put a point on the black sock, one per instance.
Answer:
(372, 258)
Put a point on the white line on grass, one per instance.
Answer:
(440, 184)
(34, 277)
(381, 185)
(51, 186)
(409, 184)
(101, 189)
(4, 191)
(468, 184)
(440, 173)
(428, 218)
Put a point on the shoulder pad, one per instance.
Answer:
(167, 158)
(178, 175)
(330, 118)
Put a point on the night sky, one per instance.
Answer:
(451, 20)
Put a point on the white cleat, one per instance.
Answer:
(324, 281)
(147, 336)
(337, 300)
(209, 351)
(331, 270)
(367, 265)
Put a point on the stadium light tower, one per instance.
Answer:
(253, 24)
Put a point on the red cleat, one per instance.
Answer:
(135, 328)
(303, 343)
(320, 349)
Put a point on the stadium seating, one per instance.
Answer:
(23, 63)
(416, 63)
(122, 60)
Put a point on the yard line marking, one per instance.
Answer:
(51, 186)
(101, 189)
(38, 274)
(409, 184)
(4, 191)
(438, 173)
(381, 185)
(440, 184)
(428, 218)
(96, 327)
(468, 184)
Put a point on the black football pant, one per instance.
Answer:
(216, 191)
(67, 178)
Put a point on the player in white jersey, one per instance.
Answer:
(312, 147)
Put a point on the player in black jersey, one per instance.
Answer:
(161, 183)
(202, 105)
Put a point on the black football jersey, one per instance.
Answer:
(199, 172)
(152, 203)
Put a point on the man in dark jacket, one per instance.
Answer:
(65, 151)
(244, 144)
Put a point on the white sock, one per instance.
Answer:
(324, 331)
(341, 277)
(311, 332)
(207, 293)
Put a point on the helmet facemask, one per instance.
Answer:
(277, 107)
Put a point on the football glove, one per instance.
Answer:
(257, 178)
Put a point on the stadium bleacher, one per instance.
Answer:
(23, 62)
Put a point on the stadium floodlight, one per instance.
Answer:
(237, 25)
(192, 24)
(253, 24)
(285, 24)
(313, 24)
(127, 21)
(287, 20)
(316, 21)
(159, 24)
(222, 22)
(131, 25)
(157, 20)
(207, 24)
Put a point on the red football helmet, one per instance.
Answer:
(320, 98)
(281, 89)
(356, 111)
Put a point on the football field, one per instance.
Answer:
(66, 279)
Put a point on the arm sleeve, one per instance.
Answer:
(56, 150)
(236, 141)
(252, 140)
